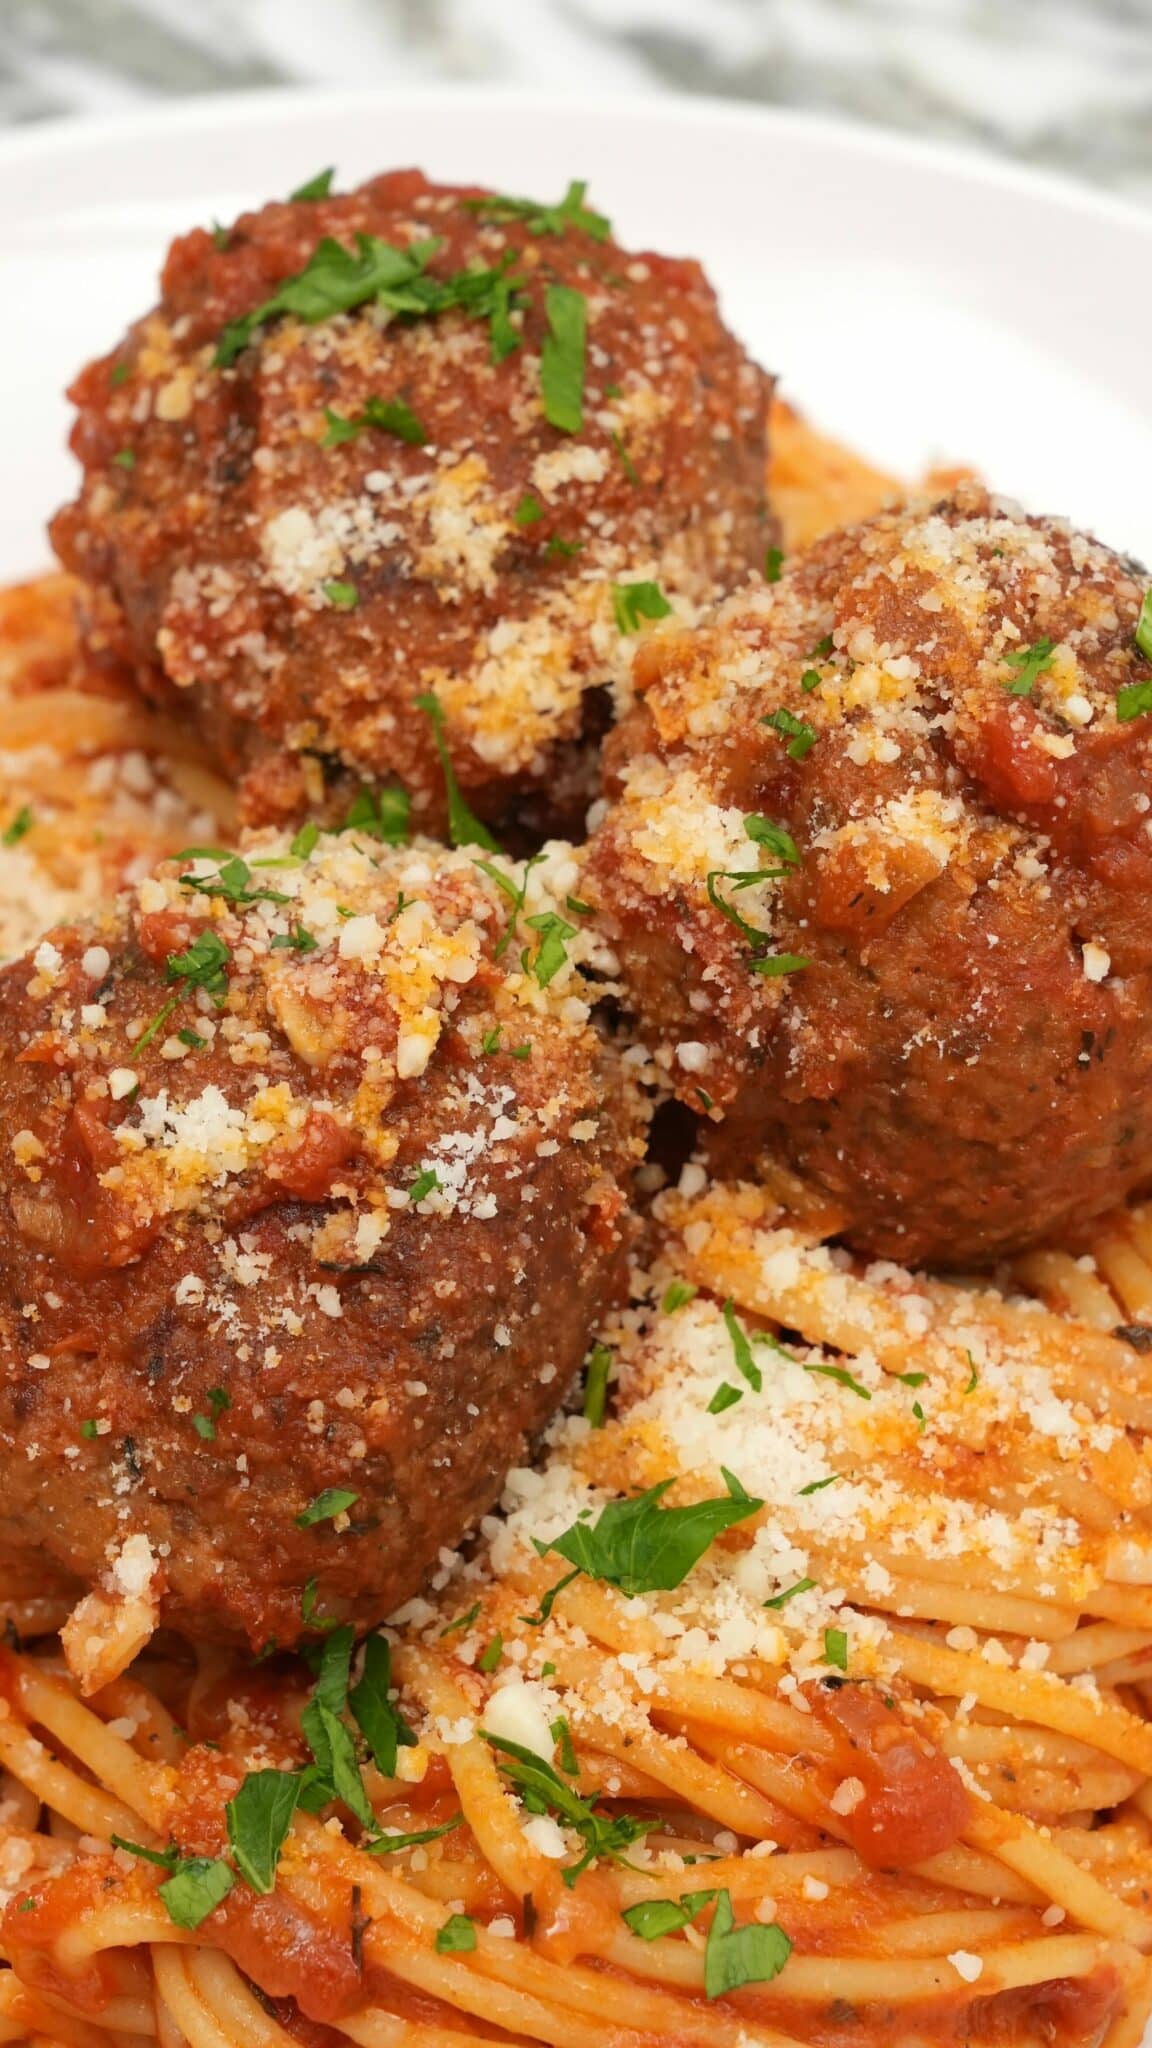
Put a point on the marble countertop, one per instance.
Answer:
(1061, 83)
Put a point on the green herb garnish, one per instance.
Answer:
(596, 1385)
(334, 1500)
(801, 736)
(791, 1592)
(735, 1956)
(640, 1547)
(539, 219)
(457, 1936)
(21, 824)
(633, 602)
(464, 828)
(1029, 663)
(318, 187)
(562, 357)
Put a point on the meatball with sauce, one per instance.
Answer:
(314, 1172)
(403, 442)
(878, 869)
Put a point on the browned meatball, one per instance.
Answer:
(305, 521)
(879, 870)
(313, 1170)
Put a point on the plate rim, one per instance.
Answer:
(966, 162)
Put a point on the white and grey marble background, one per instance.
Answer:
(1061, 83)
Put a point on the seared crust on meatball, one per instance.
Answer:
(303, 534)
(878, 870)
(314, 1171)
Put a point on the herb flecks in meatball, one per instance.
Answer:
(403, 439)
(878, 871)
(314, 1173)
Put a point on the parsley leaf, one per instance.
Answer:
(726, 1396)
(334, 1500)
(381, 1724)
(528, 511)
(735, 1956)
(335, 280)
(654, 1917)
(425, 1183)
(762, 832)
(552, 950)
(315, 188)
(516, 893)
(384, 814)
(742, 1350)
(464, 828)
(836, 1648)
(1029, 663)
(596, 1385)
(678, 1295)
(390, 415)
(1144, 627)
(201, 965)
(259, 1817)
(801, 736)
(773, 564)
(461, 1621)
(490, 1655)
(562, 357)
(164, 1859)
(640, 1547)
(343, 597)
(457, 1936)
(232, 880)
(632, 602)
(570, 212)
(387, 1845)
(790, 1593)
(197, 1886)
(773, 964)
(14, 832)
(842, 1377)
(543, 1790)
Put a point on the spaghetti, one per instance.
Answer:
(94, 788)
(874, 1769)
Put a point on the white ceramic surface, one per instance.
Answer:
(922, 302)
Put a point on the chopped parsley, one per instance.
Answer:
(810, 680)
(1029, 663)
(383, 814)
(640, 1547)
(791, 1592)
(596, 1385)
(89, 1431)
(462, 1620)
(305, 840)
(337, 280)
(464, 828)
(196, 1884)
(654, 1917)
(570, 212)
(528, 511)
(562, 1736)
(491, 1654)
(773, 564)
(389, 415)
(343, 597)
(763, 832)
(634, 602)
(678, 1295)
(203, 965)
(232, 880)
(836, 1648)
(562, 358)
(1134, 700)
(491, 1039)
(205, 1425)
(381, 1724)
(125, 458)
(626, 462)
(726, 1396)
(552, 949)
(515, 892)
(457, 1936)
(973, 1375)
(842, 1377)
(119, 374)
(773, 964)
(424, 1184)
(559, 550)
(335, 1500)
(259, 1817)
(388, 1844)
(318, 187)
(910, 1379)
(543, 1790)
(1144, 627)
(801, 736)
(19, 826)
(742, 1350)
(298, 940)
(735, 1956)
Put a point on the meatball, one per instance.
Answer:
(406, 442)
(878, 870)
(314, 1173)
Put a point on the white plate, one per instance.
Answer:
(921, 302)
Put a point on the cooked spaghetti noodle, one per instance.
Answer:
(94, 788)
(894, 1718)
